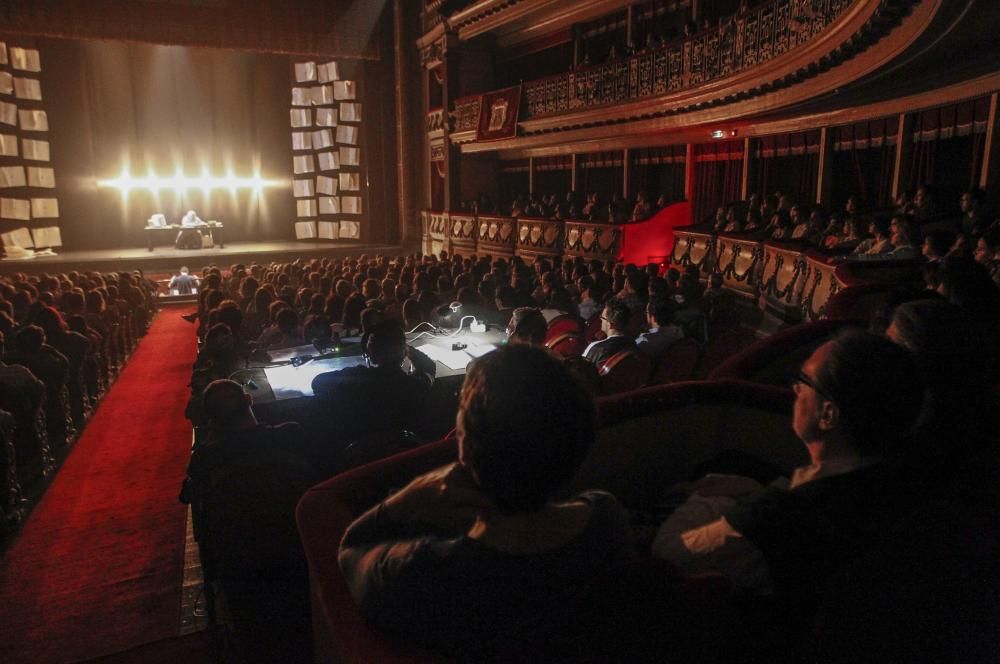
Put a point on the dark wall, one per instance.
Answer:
(164, 109)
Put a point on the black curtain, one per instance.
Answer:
(160, 110)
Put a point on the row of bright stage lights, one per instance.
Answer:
(180, 183)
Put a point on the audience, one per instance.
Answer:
(614, 324)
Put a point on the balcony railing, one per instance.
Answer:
(735, 45)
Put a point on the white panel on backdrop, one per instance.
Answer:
(301, 97)
(25, 59)
(326, 185)
(44, 208)
(329, 161)
(347, 135)
(8, 113)
(301, 117)
(19, 237)
(350, 156)
(33, 120)
(322, 139)
(305, 71)
(350, 182)
(345, 90)
(328, 72)
(3, 53)
(305, 230)
(6, 83)
(303, 164)
(41, 177)
(350, 230)
(326, 117)
(329, 205)
(350, 111)
(35, 150)
(15, 208)
(329, 230)
(48, 236)
(303, 188)
(28, 88)
(302, 140)
(350, 204)
(322, 94)
(12, 176)
(8, 145)
(305, 207)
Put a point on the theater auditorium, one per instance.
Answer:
(434, 331)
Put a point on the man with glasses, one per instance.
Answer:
(614, 322)
(856, 398)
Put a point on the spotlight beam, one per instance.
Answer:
(180, 183)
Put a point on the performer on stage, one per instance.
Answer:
(189, 236)
(183, 282)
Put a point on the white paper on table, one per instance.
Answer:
(305, 207)
(350, 230)
(350, 111)
(345, 90)
(303, 188)
(326, 117)
(19, 237)
(305, 71)
(25, 59)
(322, 94)
(322, 139)
(44, 208)
(350, 182)
(290, 382)
(329, 205)
(329, 161)
(350, 156)
(455, 360)
(478, 350)
(12, 176)
(329, 230)
(347, 134)
(301, 96)
(302, 140)
(350, 204)
(305, 230)
(301, 117)
(3, 53)
(48, 236)
(28, 88)
(8, 145)
(328, 72)
(35, 150)
(15, 208)
(8, 113)
(6, 83)
(303, 164)
(41, 177)
(326, 185)
(33, 120)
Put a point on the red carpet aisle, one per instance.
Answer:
(99, 565)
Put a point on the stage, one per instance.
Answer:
(167, 259)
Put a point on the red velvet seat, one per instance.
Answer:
(776, 359)
(567, 345)
(624, 371)
(677, 362)
(564, 324)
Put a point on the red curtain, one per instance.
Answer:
(935, 126)
(718, 176)
(308, 27)
(788, 163)
(859, 142)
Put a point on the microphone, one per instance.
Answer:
(448, 309)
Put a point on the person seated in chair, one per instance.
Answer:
(183, 283)
(378, 395)
(189, 237)
(614, 323)
(663, 333)
(527, 325)
(480, 557)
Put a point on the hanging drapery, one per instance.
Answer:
(788, 163)
(864, 157)
(658, 171)
(718, 174)
(934, 126)
(602, 173)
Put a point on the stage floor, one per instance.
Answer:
(169, 259)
